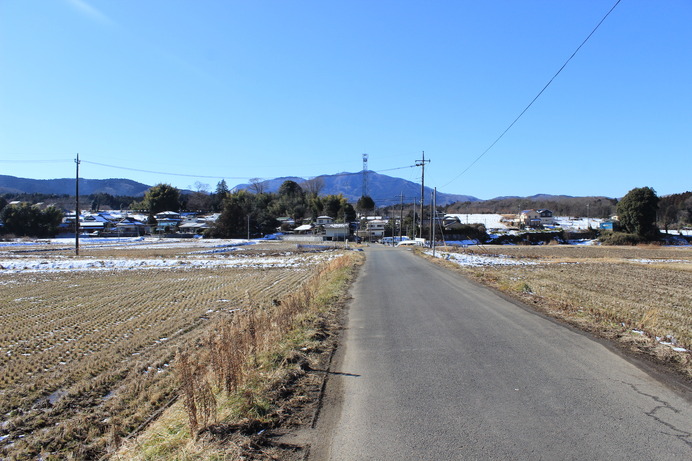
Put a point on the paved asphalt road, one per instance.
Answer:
(433, 367)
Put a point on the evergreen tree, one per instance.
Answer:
(219, 196)
(29, 220)
(161, 197)
(365, 204)
(637, 212)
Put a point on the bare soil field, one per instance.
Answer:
(641, 297)
(87, 343)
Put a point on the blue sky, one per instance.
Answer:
(199, 91)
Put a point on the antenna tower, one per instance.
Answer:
(365, 175)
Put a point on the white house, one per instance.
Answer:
(322, 220)
(336, 231)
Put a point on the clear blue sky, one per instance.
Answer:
(242, 89)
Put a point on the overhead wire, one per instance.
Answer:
(184, 174)
(536, 97)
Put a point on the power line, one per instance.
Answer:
(162, 172)
(34, 161)
(536, 97)
(182, 174)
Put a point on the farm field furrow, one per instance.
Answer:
(82, 350)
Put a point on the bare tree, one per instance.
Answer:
(313, 186)
(257, 185)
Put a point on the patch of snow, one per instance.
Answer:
(60, 265)
(490, 221)
(655, 261)
(471, 260)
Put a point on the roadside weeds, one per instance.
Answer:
(253, 378)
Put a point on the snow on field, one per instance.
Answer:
(490, 221)
(567, 222)
(202, 258)
(471, 260)
(132, 242)
(68, 264)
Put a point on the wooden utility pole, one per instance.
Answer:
(76, 211)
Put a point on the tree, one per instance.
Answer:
(257, 185)
(241, 209)
(233, 219)
(637, 212)
(291, 201)
(313, 186)
(365, 204)
(30, 220)
(161, 197)
(218, 197)
(200, 200)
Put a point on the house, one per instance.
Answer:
(530, 218)
(546, 217)
(195, 225)
(304, 229)
(94, 224)
(130, 227)
(322, 220)
(609, 224)
(336, 232)
(167, 221)
(374, 229)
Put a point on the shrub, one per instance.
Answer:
(619, 238)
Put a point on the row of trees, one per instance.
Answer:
(257, 213)
(594, 207)
(27, 219)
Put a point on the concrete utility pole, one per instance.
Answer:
(421, 163)
(76, 211)
(401, 215)
(434, 200)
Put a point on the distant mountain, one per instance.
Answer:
(384, 190)
(127, 187)
(535, 198)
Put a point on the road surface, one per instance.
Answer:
(434, 367)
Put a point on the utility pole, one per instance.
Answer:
(76, 211)
(432, 239)
(432, 216)
(401, 215)
(421, 163)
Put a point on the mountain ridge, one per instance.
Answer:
(383, 189)
(61, 186)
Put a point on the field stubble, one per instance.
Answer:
(85, 356)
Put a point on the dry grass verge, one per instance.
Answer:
(639, 297)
